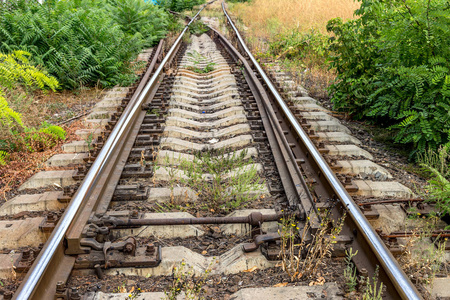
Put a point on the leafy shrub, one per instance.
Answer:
(3, 157)
(79, 41)
(393, 67)
(139, 17)
(179, 5)
(198, 27)
(16, 69)
(300, 45)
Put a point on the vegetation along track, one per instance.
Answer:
(203, 173)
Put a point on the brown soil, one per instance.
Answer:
(23, 165)
(216, 286)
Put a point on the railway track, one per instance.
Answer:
(196, 170)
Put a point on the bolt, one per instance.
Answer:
(74, 294)
(312, 132)
(150, 248)
(7, 296)
(51, 216)
(129, 247)
(321, 145)
(60, 287)
(26, 255)
(98, 271)
(364, 272)
(348, 180)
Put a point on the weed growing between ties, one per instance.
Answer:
(185, 282)
(303, 253)
(232, 179)
(198, 27)
(423, 257)
(360, 287)
(198, 59)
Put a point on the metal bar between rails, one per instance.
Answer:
(35, 274)
(389, 264)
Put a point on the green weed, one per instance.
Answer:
(438, 188)
(217, 192)
(395, 73)
(196, 59)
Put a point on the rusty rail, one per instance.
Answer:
(254, 218)
(40, 283)
(399, 286)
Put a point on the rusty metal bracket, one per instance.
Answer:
(260, 239)
(139, 257)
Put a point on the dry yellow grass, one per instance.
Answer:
(265, 18)
(262, 20)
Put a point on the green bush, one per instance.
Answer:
(300, 45)
(139, 17)
(179, 5)
(81, 42)
(17, 70)
(393, 67)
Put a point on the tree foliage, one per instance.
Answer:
(81, 42)
(393, 67)
(179, 5)
(16, 69)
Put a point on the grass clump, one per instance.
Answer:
(218, 193)
(196, 59)
(303, 253)
(185, 282)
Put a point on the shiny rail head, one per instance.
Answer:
(35, 274)
(403, 285)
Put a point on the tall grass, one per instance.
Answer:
(293, 32)
(266, 18)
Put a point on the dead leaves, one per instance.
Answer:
(251, 270)
(281, 284)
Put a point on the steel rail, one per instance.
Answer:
(95, 172)
(403, 285)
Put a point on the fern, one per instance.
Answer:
(82, 42)
(438, 165)
(3, 157)
(396, 71)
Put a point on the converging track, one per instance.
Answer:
(195, 170)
